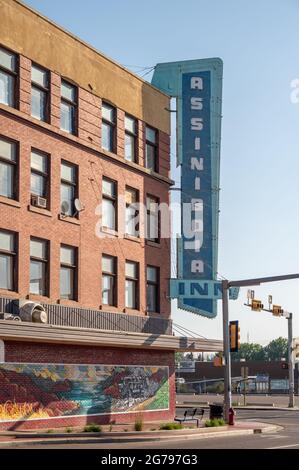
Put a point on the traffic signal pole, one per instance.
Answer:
(226, 351)
(226, 346)
(291, 361)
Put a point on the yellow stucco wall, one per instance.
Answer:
(29, 33)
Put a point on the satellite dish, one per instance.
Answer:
(65, 207)
(78, 205)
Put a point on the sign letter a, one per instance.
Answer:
(196, 83)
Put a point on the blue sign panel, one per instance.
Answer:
(197, 85)
(180, 289)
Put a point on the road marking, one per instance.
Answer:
(284, 447)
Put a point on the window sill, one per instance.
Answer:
(9, 293)
(70, 220)
(108, 308)
(10, 202)
(68, 303)
(37, 297)
(153, 244)
(39, 210)
(132, 238)
(109, 231)
(132, 311)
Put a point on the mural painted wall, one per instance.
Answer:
(39, 391)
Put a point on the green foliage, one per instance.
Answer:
(274, 351)
(138, 425)
(69, 430)
(179, 356)
(92, 428)
(249, 352)
(211, 423)
(50, 431)
(171, 426)
(277, 349)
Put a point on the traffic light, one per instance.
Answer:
(296, 348)
(234, 336)
(256, 305)
(284, 365)
(277, 310)
(218, 361)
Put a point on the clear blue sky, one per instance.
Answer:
(259, 44)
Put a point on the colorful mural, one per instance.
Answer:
(39, 391)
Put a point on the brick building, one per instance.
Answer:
(79, 134)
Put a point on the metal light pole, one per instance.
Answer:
(226, 351)
(291, 361)
(226, 346)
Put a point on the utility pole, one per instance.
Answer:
(291, 360)
(226, 352)
(226, 346)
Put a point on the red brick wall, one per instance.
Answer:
(54, 353)
(27, 221)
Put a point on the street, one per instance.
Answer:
(287, 438)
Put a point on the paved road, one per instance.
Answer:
(288, 438)
(278, 400)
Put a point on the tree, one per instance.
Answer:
(179, 356)
(249, 352)
(277, 349)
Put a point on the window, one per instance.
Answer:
(152, 219)
(68, 107)
(39, 93)
(108, 280)
(8, 164)
(151, 150)
(7, 260)
(68, 272)
(132, 284)
(8, 77)
(68, 189)
(152, 289)
(39, 174)
(109, 204)
(132, 212)
(130, 139)
(38, 266)
(108, 127)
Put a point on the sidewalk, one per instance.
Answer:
(16, 439)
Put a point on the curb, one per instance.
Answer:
(133, 438)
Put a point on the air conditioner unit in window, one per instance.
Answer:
(38, 201)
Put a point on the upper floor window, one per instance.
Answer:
(151, 150)
(132, 212)
(39, 178)
(38, 266)
(152, 289)
(68, 107)
(132, 284)
(108, 127)
(68, 188)
(152, 219)
(39, 93)
(8, 164)
(130, 139)
(68, 272)
(108, 280)
(109, 204)
(7, 260)
(8, 77)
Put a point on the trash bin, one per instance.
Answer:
(216, 411)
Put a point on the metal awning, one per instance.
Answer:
(36, 332)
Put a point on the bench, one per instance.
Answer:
(190, 415)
